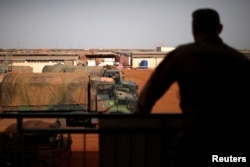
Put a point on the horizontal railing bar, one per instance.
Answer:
(102, 130)
(89, 115)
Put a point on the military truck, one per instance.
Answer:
(128, 90)
(64, 91)
(105, 71)
(124, 103)
(123, 85)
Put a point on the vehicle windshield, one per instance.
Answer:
(104, 88)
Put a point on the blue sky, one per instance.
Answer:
(130, 24)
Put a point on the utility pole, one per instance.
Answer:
(7, 61)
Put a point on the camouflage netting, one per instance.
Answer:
(110, 67)
(44, 89)
(93, 71)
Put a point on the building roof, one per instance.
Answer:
(149, 54)
(38, 56)
(101, 55)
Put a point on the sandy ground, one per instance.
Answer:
(169, 103)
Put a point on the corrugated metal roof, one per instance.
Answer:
(38, 56)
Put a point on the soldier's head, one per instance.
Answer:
(206, 22)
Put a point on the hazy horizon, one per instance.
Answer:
(105, 24)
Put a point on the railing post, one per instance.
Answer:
(20, 146)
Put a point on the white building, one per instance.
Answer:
(146, 59)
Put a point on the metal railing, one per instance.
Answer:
(124, 139)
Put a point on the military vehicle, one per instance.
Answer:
(123, 85)
(62, 91)
(105, 71)
(127, 87)
(124, 103)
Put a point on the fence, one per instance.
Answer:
(124, 140)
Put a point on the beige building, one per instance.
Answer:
(36, 61)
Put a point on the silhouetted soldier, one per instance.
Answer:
(214, 93)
